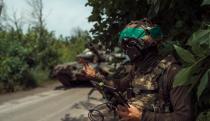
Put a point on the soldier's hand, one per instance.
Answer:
(88, 69)
(130, 113)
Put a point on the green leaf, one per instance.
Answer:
(185, 55)
(203, 83)
(205, 2)
(200, 43)
(183, 76)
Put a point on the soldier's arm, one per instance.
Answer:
(120, 79)
(182, 108)
(181, 102)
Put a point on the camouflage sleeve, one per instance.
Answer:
(123, 77)
(120, 79)
(181, 105)
(99, 76)
(181, 102)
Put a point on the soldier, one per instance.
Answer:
(148, 83)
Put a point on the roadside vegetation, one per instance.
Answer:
(27, 58)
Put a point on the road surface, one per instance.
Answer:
(51, 105)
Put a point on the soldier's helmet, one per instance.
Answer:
(139, 35)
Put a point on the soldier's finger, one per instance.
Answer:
(84, 69)
(131, 106)
(86, 66)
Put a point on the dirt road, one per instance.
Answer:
(51, 105)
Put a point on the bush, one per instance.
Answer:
(27, 61)
(196, 71)
(72, 47)
(12, 64)
(40, 75)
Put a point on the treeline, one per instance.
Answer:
(27, 58)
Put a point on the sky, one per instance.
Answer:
(61, 16)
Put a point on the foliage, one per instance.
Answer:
(185, 55)
(206, 2)
(110, 16)
(196, 61)
(197, 70)
(39, 74)
(73, 46)
(27, 59)
(13, 67)
(205, 116)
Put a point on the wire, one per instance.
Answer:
(96, 115)
(92, 116)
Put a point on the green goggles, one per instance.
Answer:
(140, 33)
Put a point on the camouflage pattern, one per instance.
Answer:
(149, 82)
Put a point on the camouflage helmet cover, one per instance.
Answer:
(143, 30)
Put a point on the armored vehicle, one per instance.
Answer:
(101, 59)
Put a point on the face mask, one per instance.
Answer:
(132, 52)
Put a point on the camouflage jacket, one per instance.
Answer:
(153, 92)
